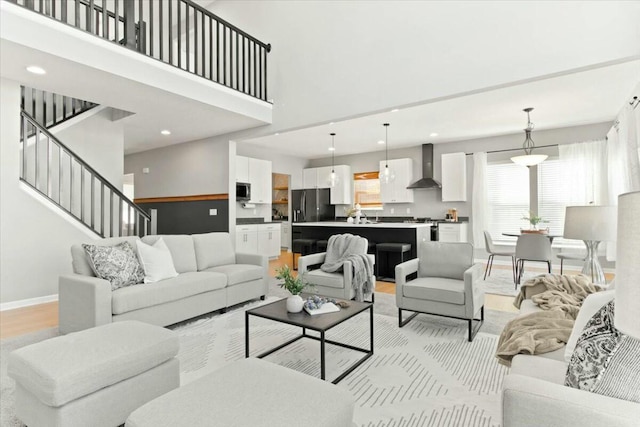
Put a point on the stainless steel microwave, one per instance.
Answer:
(243, 191)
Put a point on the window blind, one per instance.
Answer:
(508, 186)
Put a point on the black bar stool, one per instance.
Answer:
(321, 246)
(302, 247)
(384, 258)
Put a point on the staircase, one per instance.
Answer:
(54, 171)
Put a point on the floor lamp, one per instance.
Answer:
(627, 287)
(591, 224)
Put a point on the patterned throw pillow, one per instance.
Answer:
(118, 264)
(605, 361)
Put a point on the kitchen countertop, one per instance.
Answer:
(370, 225)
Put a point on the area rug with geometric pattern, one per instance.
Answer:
(424, 374)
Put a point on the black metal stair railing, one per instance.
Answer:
(178, 32)
(51, 109)
(57, 173)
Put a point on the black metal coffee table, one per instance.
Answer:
(321, 323)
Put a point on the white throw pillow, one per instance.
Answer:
(590, 306)
(156, 261)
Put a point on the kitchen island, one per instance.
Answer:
(391, 232)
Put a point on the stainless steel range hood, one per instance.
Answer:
(427, 180)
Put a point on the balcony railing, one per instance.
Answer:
(177, 32)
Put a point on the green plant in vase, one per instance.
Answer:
(534, 220)
(294, 285)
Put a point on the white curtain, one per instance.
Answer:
(480, 208)
(584, 172)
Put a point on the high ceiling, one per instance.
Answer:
(591, 96)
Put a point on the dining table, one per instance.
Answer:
(550, 236)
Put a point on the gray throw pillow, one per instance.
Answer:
(118, 264)
(605, 361)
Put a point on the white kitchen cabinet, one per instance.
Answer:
(269, 239)
(242, 169)
(342, 193)
(285, 235)
(396, 191)
(247, 238)
(454, 177)
(452, 232)
(263, 239)
(260, 179)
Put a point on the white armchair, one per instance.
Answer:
(447, 284)
(334, 285)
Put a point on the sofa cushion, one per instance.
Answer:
(213, 249)
(80, 259)
(156, 261)
(65, 368)
(539, 367)
(323, 278)
(238, 273)
(118, 264)
(435, 289)
(591, 304)
(181, 248)
(184, 285)
(448, 260)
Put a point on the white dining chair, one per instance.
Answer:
(570, 255)
(492, 251)
(532, 247)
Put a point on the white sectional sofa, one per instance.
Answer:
(211, 277)
(534, 394)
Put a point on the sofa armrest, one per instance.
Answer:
(528, 401)
(402, 271)
(304, 262)
(473, 288)
(259, 260)
(83, 302)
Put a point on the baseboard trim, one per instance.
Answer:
(28, 302)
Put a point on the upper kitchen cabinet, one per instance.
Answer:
(256, 172)
(454, 177)
(396, 191)
(242, 169)
(341, 194)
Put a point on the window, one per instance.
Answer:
(367, 190)
(508, 186)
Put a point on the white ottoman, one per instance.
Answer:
(250, 393)
(95, 377)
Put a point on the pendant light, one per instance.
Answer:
(333, 176)
(386, 176)
(529, 159)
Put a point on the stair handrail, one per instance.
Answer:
(85, 165)
(66, 115)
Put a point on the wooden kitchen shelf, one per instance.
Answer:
(280, 188)
(280, 202)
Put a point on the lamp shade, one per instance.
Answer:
(529, 159)
(627, 287)
(597, 223)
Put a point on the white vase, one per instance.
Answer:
(295, 303)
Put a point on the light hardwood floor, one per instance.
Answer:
(31, 319)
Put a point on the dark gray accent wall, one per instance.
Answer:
(190, 217)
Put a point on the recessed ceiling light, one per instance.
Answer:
(276, 134)
(433, 134)
(165, 132)
(381, 142)
(332, 149)
(395, 110)
(331, 124)
(36, 70)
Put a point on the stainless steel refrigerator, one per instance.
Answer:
(312, 205)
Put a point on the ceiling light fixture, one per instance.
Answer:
(433, 134)
(387, 176)
(395, 110)
(331, 124)
(381, 142)
(165, 132)
(276, 134)
(333, 176)
(36, 70)
(529, 159)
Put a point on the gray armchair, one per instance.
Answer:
(447, 284)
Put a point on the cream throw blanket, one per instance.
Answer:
(347, 247)
(548, 330)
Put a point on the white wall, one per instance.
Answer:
(35, 237)
(336, 59)
(192, 168)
